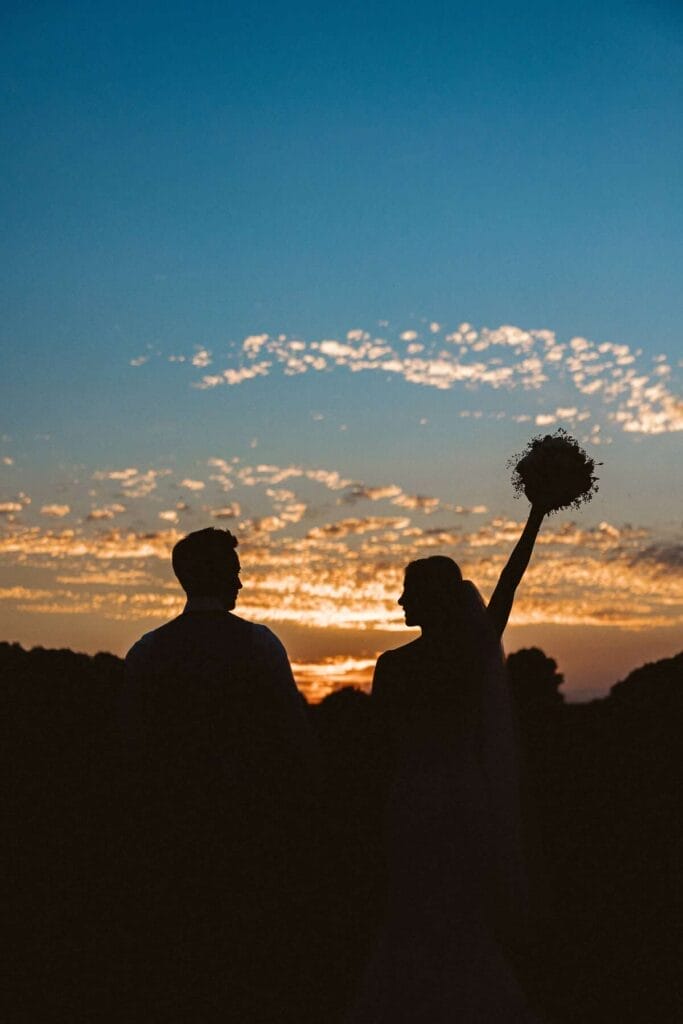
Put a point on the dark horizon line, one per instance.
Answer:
(592, 695)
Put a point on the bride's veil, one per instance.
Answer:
(497, 752)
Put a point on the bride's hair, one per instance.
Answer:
(437, 576)
(439, 582)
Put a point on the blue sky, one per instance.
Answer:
(181, 177)
(232, 169)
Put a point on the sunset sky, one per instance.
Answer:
(314, 273)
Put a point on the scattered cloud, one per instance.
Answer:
(55, 511)
(359, 492)
(317, 679)
(668, 557)
(105, 512)
(417, 501)
(72, 543)
(234, 376)
(10, 509)
(231, 511)
(347, 574)
(344, 527)
(201, 358)
(106, 577)
(134, 483)
(603, 380)
(322, 551)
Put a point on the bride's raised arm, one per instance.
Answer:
(500, 605)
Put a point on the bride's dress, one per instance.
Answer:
(455, 877)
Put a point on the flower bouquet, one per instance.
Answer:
(554, 472)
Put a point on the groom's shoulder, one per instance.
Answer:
(254, 636)
(221, 636)
(153, 639)
(192, 629)
(265, 641)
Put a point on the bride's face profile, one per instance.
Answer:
(418, 600)
(410, 602)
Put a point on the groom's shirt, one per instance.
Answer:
(210, 713)
(219, 806)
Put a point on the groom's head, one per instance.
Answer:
(207, 565)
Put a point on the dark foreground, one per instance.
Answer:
(602, 792)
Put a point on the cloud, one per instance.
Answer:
(222, 464)
(231, 511)
(280, 495)
(23, 594)
(344, 527)
(201, 358)
(193, 485)
(105, 512)
(10, 509)
(465, 510)
(329, 478)
(417, 501)
(112, 544)
(55, 511)
(668, 557)
(622, 390)
(234, 375)
(254, 343)
(317, 679)
(310, 564)
(359, 492)
(107, 577)
(134, 482)
(252, 476)
(347, 574)
(393, 493)
(223, 476)
(264, 524)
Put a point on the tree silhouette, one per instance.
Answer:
(534, 679)
(601, 791)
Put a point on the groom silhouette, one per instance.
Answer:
(220, 771)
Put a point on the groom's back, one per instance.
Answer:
(187, 672)
(218, 766)
(211, 715)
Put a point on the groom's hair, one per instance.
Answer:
(202, 560)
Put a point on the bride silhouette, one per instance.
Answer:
(456, 882)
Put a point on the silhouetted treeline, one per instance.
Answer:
(602, 786)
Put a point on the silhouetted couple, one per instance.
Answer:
(223, 814)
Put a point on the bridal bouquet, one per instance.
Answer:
(554, 472)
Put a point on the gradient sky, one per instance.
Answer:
(314, 274)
